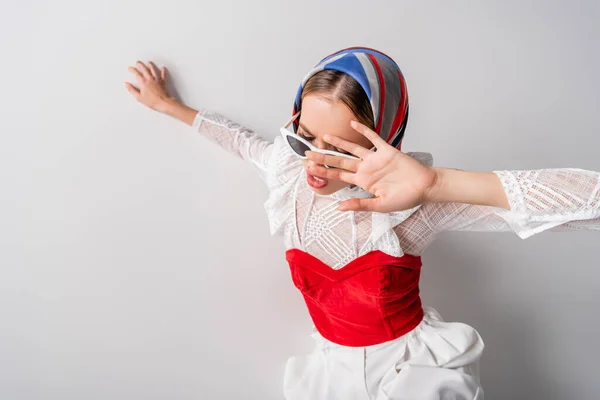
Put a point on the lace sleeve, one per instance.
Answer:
(235, 138)
(284, 170)
(548, 199)
(276, 163)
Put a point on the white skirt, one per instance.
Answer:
(435, 361)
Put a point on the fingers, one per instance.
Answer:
(343, 144)
(364, 130)
(132, 89)
(333, 161)
(137, 73)
(331, 173)
(357, 204)
(144, 70)
(153, 70)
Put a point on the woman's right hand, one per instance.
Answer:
(398, 181)
(152, 86)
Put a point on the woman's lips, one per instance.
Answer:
(315, 182)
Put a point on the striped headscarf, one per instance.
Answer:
(381, 79)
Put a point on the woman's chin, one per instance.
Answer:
(331, 188)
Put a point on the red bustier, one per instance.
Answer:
(371, 300)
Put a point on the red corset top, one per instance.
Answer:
(371, 300)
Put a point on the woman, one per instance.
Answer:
(358, 271)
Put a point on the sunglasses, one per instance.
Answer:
(300, 145)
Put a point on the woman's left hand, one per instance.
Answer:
(398, 181)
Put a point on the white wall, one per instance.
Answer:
(135, 259)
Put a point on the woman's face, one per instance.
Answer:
(321, 116)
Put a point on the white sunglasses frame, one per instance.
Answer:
(286, 132)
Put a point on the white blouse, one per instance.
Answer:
(540, 200)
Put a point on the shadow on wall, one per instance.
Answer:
(468, 279)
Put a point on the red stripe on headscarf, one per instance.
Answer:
(382, 94)
(401, 113)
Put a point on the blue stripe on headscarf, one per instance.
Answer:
(364, 50)
(351, 65)
(387, 72)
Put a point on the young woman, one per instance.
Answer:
(358, 271)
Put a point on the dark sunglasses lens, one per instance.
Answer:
(296, 145)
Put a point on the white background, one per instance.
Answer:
(135, 258)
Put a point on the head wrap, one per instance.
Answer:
(381, 79)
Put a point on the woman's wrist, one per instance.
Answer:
(481, 188)
(432, 193)
(175, 109)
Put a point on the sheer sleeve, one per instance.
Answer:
(276, 163)
(235, 138)
(548, 199)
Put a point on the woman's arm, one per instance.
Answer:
(177, 110)
(231, 136)
(526, 202)
(480, 188)
(400, 182)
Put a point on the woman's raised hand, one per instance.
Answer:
(397, 180)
